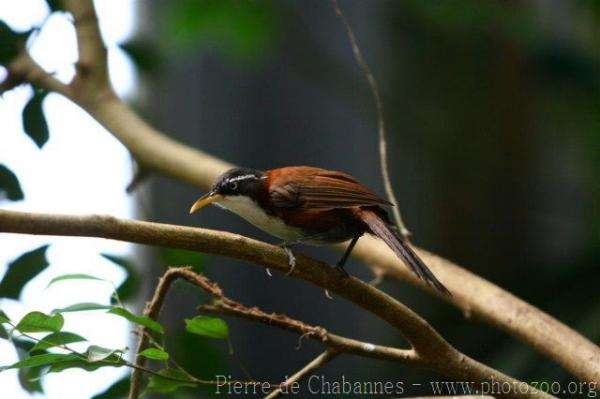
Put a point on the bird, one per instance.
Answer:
(315, 206)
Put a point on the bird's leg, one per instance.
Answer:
(342, 262)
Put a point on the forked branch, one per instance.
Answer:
(431, 349)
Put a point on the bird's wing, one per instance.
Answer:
(320, 188)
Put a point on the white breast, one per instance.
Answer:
(249, 210)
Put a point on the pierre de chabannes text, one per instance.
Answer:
(320, 385)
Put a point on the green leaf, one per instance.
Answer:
(97, 353)
(55, 5)
(141, 320)
(3, 319)
(118, 390)
(11, 42)
(29, 378)
(212, 327)
(40, 322)
(57, 339)
(155, 354)
(21, 271)
(144, 55)
(41, 360)
(34, 121)
(163, 385)
(112, 361)
(80, 307)
(10, 184)
(132, 283)
(76, 276)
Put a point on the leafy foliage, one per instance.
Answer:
(81, 307)
(34, 121)
(131, 285)
(55, 5)
(97, 353)
(155, 354)
(21, 271)
(141, 320)
(75, 276)
(56, 339)
(11, 42)
(165, 384)
(212, 327)
(9, 183)
(81, 362)
(40, 322)
(29, 378)
(46, 359)
(118, 390)
(143, 54)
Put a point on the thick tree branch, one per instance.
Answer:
(156, 152)
(482, 300)
(432, 350)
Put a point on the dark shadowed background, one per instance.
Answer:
(492, 111)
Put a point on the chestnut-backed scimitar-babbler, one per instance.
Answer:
(302, 204)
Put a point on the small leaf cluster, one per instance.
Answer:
(44, 347)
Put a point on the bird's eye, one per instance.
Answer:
(233, 185)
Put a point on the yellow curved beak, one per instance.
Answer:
(205, 200)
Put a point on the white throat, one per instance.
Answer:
(249, 210)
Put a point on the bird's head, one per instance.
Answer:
(234, 182)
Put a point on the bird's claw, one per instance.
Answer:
(291, 259)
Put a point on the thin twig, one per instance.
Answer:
(383, 158)
(24, 69)
(313, 365)
(226, 306)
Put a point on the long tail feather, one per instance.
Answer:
(401, 248)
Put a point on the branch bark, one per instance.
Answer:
(431, 349)
(157, 152)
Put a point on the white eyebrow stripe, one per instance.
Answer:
(243, 177)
